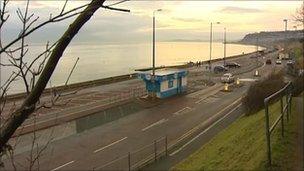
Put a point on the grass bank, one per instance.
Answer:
(242, 146)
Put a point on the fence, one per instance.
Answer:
(139, 158)
(126, 95)
(285, 109)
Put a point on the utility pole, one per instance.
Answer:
(210, 45)
(153, 45)
(153, 53)
(257, 44)
(257, 49)
(285, 21)
(285, 37)
(225, 46)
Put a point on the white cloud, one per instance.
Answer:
(178, 20)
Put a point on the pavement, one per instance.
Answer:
(184, 120)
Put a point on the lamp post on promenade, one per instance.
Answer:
(210, 46)
(153, 51)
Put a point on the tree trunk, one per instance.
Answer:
(29, 103)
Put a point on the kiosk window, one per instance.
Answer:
(170, 83)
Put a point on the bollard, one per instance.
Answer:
(238, 81)
(226, 87)
(256, 73)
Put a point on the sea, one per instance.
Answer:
(98, 61)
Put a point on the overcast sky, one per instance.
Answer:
(178, 20)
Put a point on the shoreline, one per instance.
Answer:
(114, 79)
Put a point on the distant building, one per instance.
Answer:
(167, 82)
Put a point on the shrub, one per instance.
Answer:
(257, 92)
(298, 85)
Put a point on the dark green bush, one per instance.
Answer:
(298, 85)
(257, 92)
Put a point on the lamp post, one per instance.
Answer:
(257, 50)
(285, 21)
(210, 46)
(285, 37)
(225, 46)
(153, 51)
(153, 48)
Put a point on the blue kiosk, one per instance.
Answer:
(168, 82)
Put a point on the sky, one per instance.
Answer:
(178, 20)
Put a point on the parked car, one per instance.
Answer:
(290, 62)
(301, 72)
(219, 68)
(278, 62)
(232, 65)
(268, 62)
(227, 78)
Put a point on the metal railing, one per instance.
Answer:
(284, 110)
(127, 95)
(139, 158)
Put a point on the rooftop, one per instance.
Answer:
(163, 72)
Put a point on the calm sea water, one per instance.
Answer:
(101, 61)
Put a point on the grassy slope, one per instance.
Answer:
(242, 146)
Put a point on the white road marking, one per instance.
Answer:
(100, 149)
(57, 168)
(200, 125)
(214, 92)
(182, 110)
(248, 79)
(197, 136)
(154, 124)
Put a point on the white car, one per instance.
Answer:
(227, 78)
(290, 62)
(278, 62)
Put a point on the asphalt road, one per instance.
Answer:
(174, 118)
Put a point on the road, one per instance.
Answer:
(175, 117)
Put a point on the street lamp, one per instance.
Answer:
(153, 48)
(285, 37)
(153, 53)
(225, 46)
(211, 44)
(285, 21)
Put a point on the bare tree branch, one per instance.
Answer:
(51, 20)
(29, 104)
(116, 9)
(116, 3)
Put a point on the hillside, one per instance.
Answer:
(268, 37)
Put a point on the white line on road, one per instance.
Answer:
(100, 149)
(180, 111)
(154, 124)
(197, 136)
(57, 168)
(214, 116)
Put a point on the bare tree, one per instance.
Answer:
(35, 74)
(299, 16)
